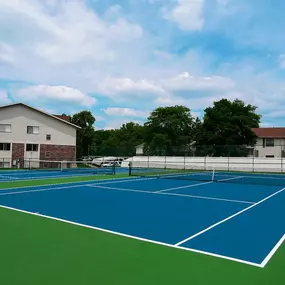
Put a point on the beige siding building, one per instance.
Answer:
(270, 142)
(28, 133)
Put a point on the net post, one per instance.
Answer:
(114, 168)
(130, 168)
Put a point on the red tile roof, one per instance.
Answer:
(269, 132)
(63, 117)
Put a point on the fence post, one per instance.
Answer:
(205, 162)
(165, 162)
(253, 160)
(184, 162)
(148, 161)
(281, 158)
(228, 163)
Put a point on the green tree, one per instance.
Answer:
(169, 129)
(85, 135)
(159, 145)
(118, 142)
(227, 129)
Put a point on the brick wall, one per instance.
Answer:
(57, 152)
(18, 152)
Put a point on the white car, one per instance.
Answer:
(106, 164)
(110, 163)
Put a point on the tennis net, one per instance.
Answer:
(239, 176)
(70, 166)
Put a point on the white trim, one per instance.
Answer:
(133, 237)
(40, 111)
(228, 218)
(272, 252)
(169, 194)
(183, 187)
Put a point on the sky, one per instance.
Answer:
(122, 59)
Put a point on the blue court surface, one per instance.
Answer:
(6, 175)
(243, 223)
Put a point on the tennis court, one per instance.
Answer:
(10, 175)
(241, 222)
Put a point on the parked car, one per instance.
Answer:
(110, 163)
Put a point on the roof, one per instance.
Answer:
(140, 145)
(269, 132)
(56, 117)
(63, 117)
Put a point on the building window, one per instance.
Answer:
(33, 129)
(5, 146)
(47, 154)
(32, 147)
(269, 142)
(48, 137)
(269, 155)
(5, 128)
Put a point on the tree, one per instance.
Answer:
(227, 129)
(159, 145)
(85, 135)
(118, 142)
(169, 129)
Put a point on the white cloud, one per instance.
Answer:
(4, 99)
(125, 112)
(113, 12)
(170, 100)
(187, 14)
(282, 60)
(185, 81)
(6, 54)
(116, 124)
(66, 31)
(112, 86)
(66, 43)
(52, 94)
(275, 114)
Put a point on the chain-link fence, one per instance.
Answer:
(257, 158)
(228, 158)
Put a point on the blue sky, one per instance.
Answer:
(122, 59)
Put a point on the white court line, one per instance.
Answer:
(171, 194)
(41, 190)
(108, 180)
(231, 178)
(118, 189)
(25, 178)
(208, 198)
(102, 182)
(134, 237)
(5, 177)
(254, 176)
(272, 252)
(182, 187)
(228, 218)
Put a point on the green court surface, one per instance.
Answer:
(36, 250)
